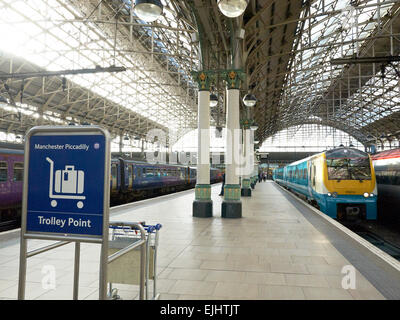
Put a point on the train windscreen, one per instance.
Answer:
(348, 164)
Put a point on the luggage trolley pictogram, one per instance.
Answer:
(67, 182)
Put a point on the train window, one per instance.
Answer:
(348, 164)
(149, 172)
(18, 171)
(3, 171)
(139, 171)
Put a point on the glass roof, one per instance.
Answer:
(51, 34)
(308, 138)
(352, 95)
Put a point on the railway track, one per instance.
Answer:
(382, 244)
(376, 235)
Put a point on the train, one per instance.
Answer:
(130, 180)
(341, 182)
(387, 170)
(11, 181)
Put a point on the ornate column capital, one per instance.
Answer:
(246, 123)
(234, 78)
(203, 79)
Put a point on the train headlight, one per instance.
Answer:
(371, 194)
(366, 194)
(334, 194)
(329, 194)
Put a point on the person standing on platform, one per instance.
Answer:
(223, 184)
(264, 176)
(259, 177)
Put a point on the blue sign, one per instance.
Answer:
(66, 184)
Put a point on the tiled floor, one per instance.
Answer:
(273, 252)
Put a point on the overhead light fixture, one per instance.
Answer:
(213, 100)
(256, 142)
(148, 10)
(249, 100)
(254, 126)
(232, 8)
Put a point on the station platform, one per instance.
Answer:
(280, 249)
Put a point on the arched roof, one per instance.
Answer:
(287, 53)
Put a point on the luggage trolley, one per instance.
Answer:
(127, 269)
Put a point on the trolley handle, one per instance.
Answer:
(151, 229)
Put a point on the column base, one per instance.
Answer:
(245, 192)
(202, 208)
(231, 209)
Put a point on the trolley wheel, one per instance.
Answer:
(53, 203)
(114, 294)
(79, 204)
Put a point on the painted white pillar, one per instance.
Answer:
(232, 206)
(247, 168)
(202, 205)
(232, 137)
(203, 154)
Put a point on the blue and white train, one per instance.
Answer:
(341, 182)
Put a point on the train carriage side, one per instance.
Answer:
(297, 177)
(387, 169)
(11, 181)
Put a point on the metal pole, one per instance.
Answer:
(147, 264)
(142, 270)
(22, 268)
(76, 269)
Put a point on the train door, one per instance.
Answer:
(114, 170)
(4, 176)
(130, 176)
(17, 176)
(311, 177)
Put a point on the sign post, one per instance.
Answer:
(66, 192)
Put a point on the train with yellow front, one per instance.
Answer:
(340, 181)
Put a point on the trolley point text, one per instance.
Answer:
(61, 222)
